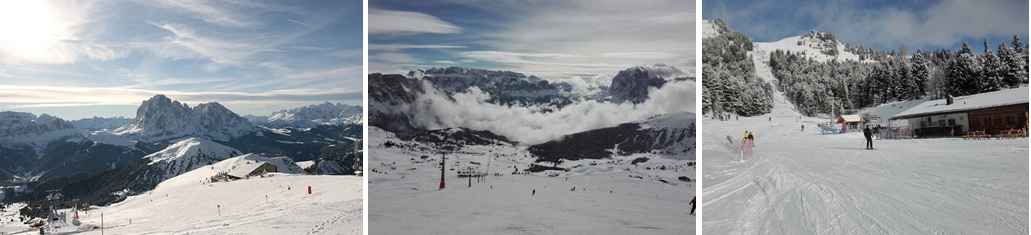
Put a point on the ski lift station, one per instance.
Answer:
(998, 113)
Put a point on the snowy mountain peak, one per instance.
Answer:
(187, 149)
(817, 45)
(715, 27)
(101, 123)
(632, 84)
(160, 118)
(27, 128)
(319, 114)
(460, 72)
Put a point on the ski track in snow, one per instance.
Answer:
(806, 183)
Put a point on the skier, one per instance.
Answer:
(534, 192)
(693, 205)
(744, 140)
(803, 127)
(748, 139)
(737, 117)
(771, 118)
(868, 133)
(730, 139)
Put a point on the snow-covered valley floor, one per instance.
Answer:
(186, 205)
(806, 183)
(608, 197)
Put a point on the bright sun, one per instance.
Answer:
(28, 28)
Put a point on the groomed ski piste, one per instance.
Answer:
(799, 182)
(610, 197)
(187, 204)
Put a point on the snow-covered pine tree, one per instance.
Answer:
(961, 76)
(991, 73)
(921, 74)
(1014, 71)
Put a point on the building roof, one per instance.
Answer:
(1008, 97)
(243, 170)
(849, 118)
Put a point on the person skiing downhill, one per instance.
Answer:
(693, 205)
(748, 139)
(803, 128)
(868, 134)
(745, 138)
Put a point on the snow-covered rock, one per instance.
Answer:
(633, 84)
(160, 118)
(189, 154)
(18, 128)
(101, 123)
(256, 119)
(504, 87)
(321, 114)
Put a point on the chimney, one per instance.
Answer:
(948, 100)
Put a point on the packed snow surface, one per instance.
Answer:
(797, 182)
(611, 196)
(187, 204)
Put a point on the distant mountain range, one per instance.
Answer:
(165, 139)
(395, 101)
(392, 96)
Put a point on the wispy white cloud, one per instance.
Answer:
(928, 24)
(185, 43)
(556, 40)
(642, 55)
(405, 23)
(298, 22)
(48, 96)
(254, 55)
(398, 47)
(210, 11)
(530, 126)
(942, 23)
(396, 58)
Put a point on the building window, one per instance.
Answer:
(1011, 120)
(952, 122)
(987, 122)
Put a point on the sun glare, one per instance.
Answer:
(27, 28)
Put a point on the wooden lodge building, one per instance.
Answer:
(992, 112)
(251, 169)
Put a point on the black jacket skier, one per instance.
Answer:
(868, 134)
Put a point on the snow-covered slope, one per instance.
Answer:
(618, 195)
(796, 182)
(321, 114)
(816, 45)
(17, 128)
(189, 204)
(712, 28)
(189, 150)
(160, 118)
(672, 135)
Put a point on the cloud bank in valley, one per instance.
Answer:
(529, 125)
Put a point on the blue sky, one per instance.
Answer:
(880, 24)
(550, 39)
(76, 59)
